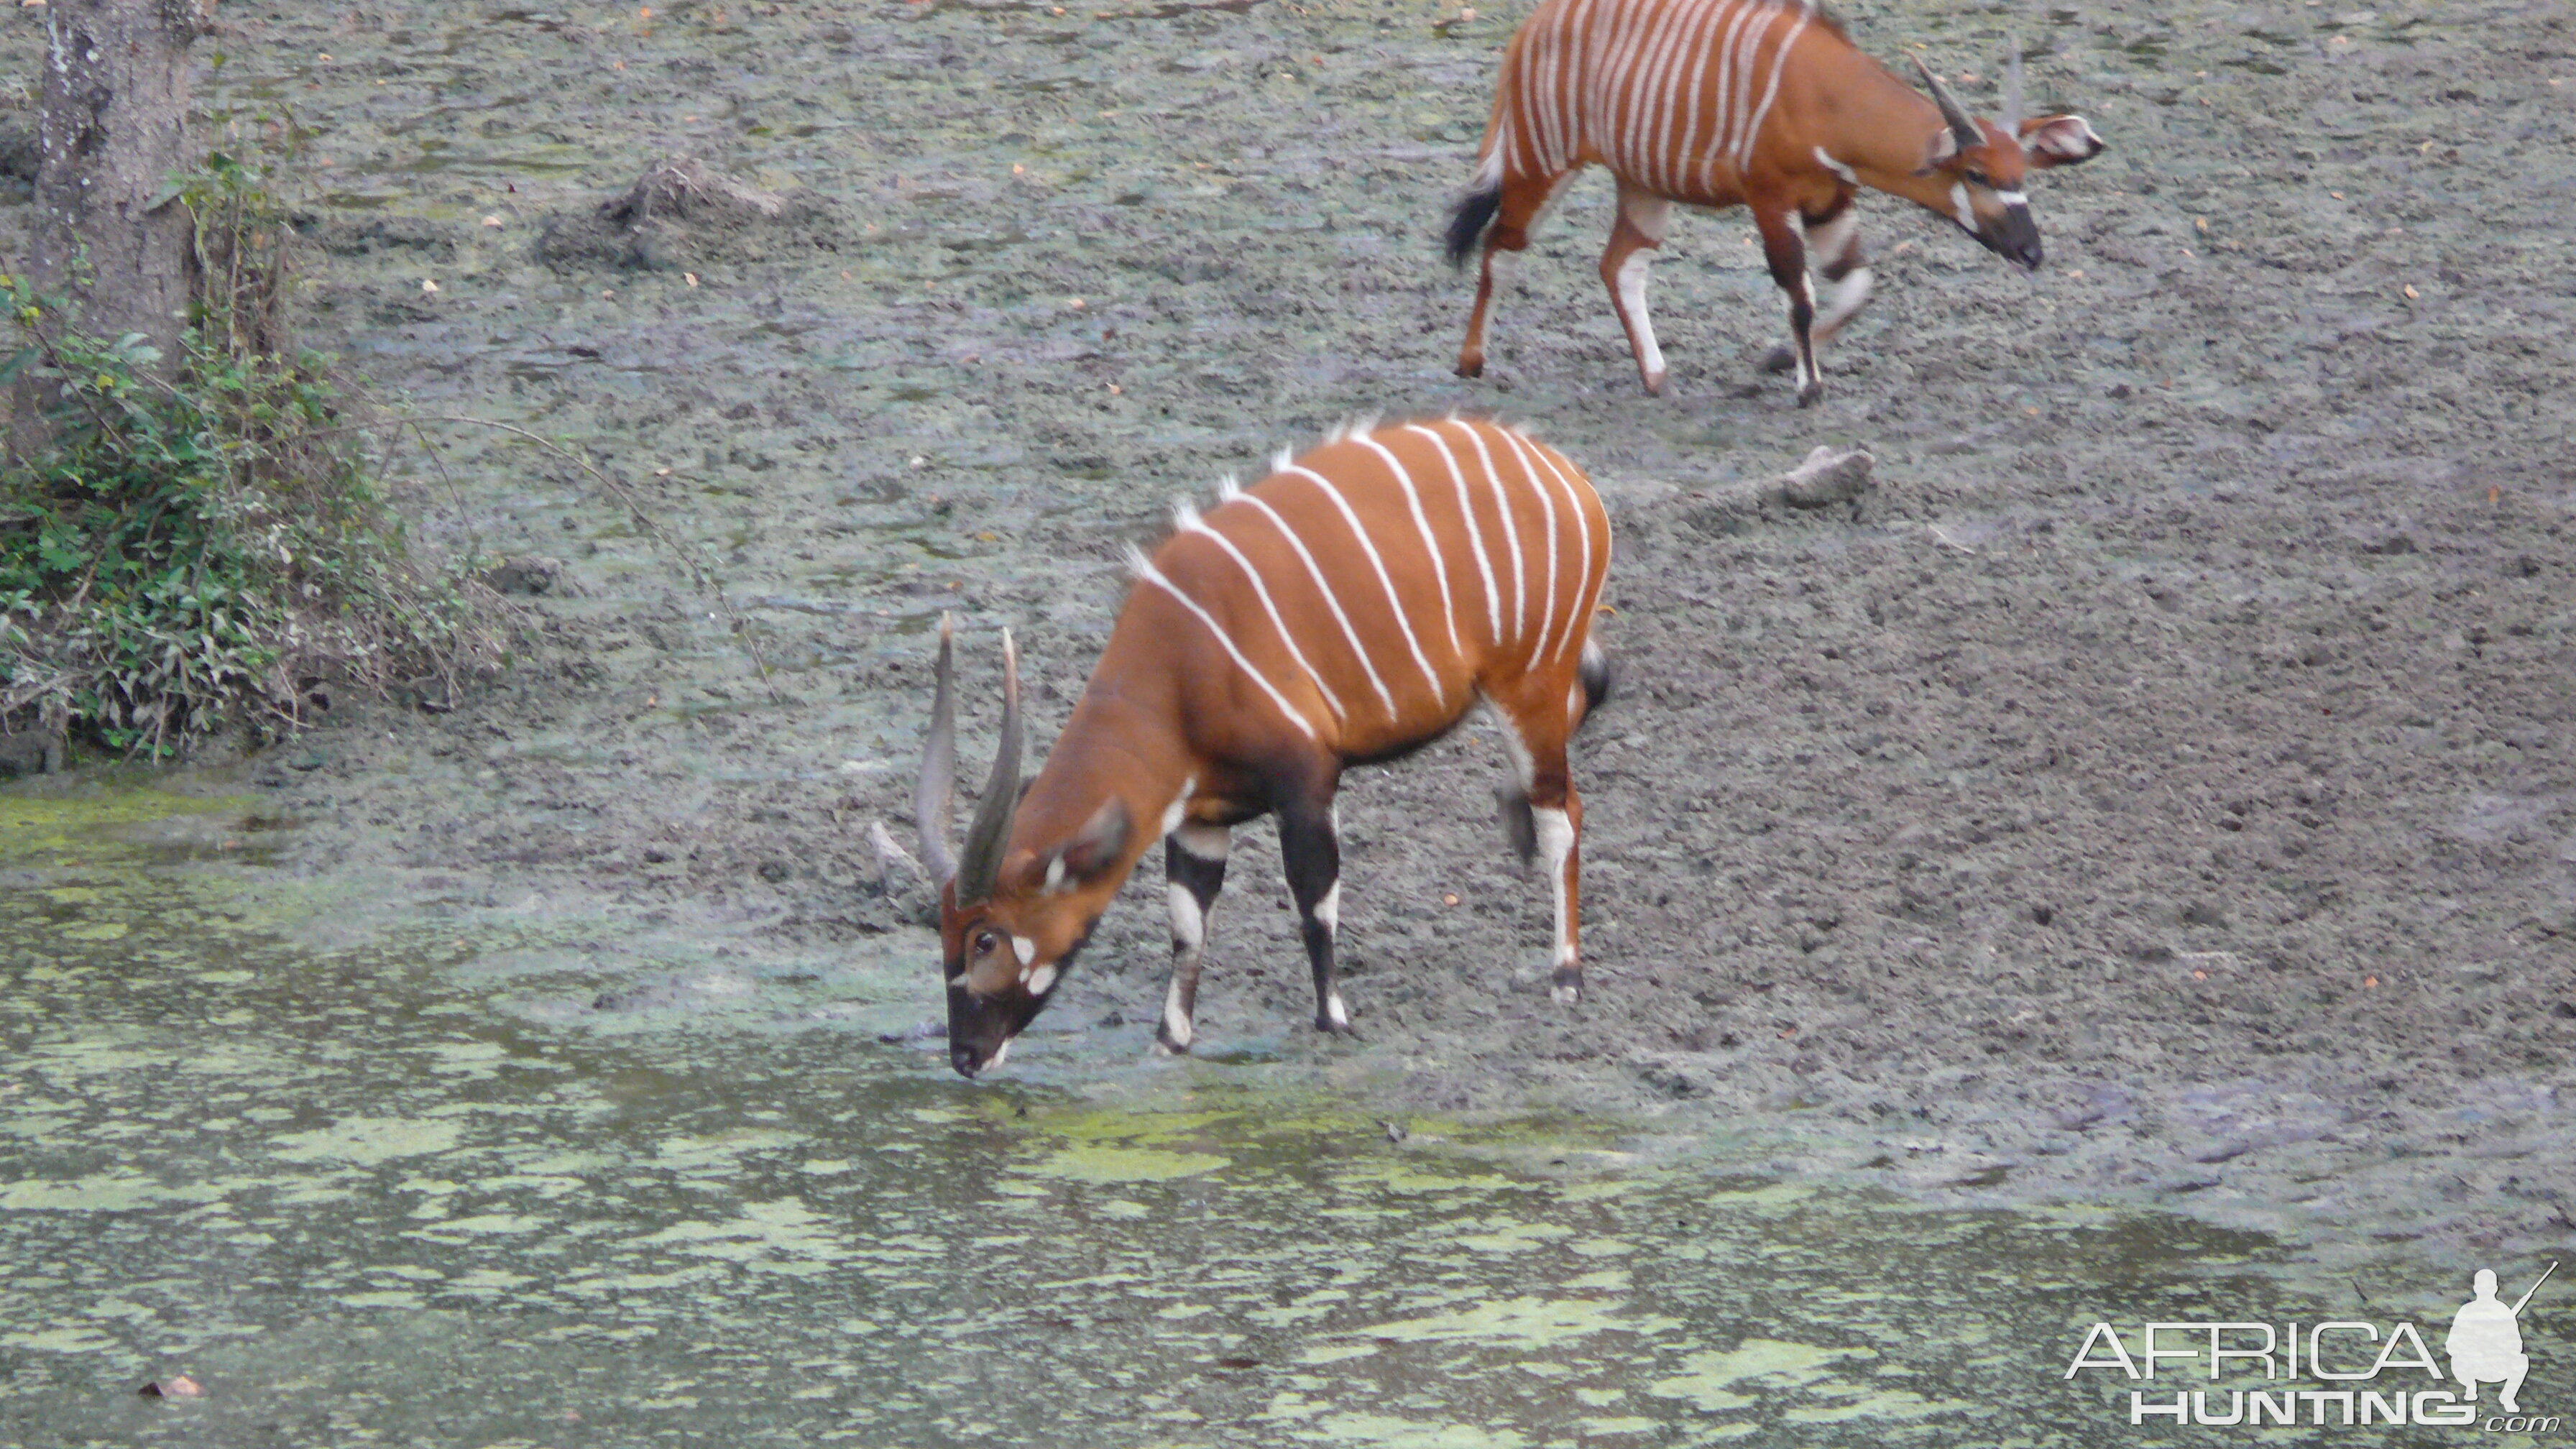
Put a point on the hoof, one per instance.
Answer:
(1655, 385)
(1567, 988)
(1780, 360)
(1166, 1047)
(1811, 394)
(1467, 368)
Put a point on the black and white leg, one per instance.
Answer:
(1833, 244)
(1544, 833)
(1310, 848)
(1193, 872)
(1786, 252)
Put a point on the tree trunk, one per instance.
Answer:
(112, 128)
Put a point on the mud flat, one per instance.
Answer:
(2158, 790)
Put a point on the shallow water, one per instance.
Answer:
(372, 1176)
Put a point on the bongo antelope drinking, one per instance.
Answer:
(1349, 608)
(1759, 103)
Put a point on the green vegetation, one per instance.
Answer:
(213, 553)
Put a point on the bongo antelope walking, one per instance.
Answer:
(1765, 104)
(1349, 608)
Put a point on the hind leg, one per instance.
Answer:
(1524, 197)
(1633, 241)
(1545, 820)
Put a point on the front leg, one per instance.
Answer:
(1310, 848)
(1834, 246)
(1193, 872)
(1785, 249)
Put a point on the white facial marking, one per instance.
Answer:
(1334, 1011)
(999, 1054)
(1189, 923)
(1041, 979)
(1328, 911)
(1055, 874)
(1632, 300)
(2012, 198)
(1024, 948)
(1176, 1017)
(1959, 206)
(1848, 175)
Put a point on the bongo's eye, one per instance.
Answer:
(986, 943)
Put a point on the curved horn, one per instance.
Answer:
(2012, 92)
(980, 865)
(1962, 125)
(938, 788)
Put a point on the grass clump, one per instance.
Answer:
(214, 553)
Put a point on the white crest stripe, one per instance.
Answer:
(1192, 523)
(1146, 571)
(1368, 546)
(1439, 563)
(1475, 534)
(1332, 601)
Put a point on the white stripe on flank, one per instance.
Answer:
(1670, 103)
(1687, 104)
(1721, 109)
(1475, 534)
(1547, 71)
(1681, 123)
(1747, 57)
(1617, 81)
(1583, 537)
(1368, 546)
(1439, 564)
(1771, 91)
(1511, 530)
(1647, 89)
(1567, 57)
(1189, 521)
(1547, 506)
(1331, 600)
(1146, 571)
(1849, 176)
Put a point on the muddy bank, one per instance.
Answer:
(2160, 788)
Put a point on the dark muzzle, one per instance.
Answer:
(2012, 236)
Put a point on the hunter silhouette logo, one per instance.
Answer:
(2486, 1340)
(2361, 1375)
